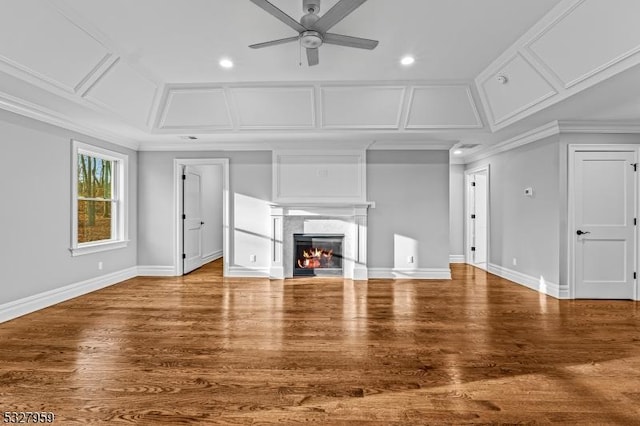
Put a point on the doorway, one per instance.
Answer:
(602, 222)
(201, 213)
(477, 217)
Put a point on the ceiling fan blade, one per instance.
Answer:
(343, 40)
(313, 57)
(278, 14)
(336, 14)
(274, 42)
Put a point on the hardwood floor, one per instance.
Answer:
(205, 350)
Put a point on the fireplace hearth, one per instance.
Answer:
(317, 255)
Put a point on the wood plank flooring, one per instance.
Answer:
(201, 349)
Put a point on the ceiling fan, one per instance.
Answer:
(312, 29)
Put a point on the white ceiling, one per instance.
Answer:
(146, 72)
(182, 41)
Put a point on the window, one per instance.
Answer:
(99, 219)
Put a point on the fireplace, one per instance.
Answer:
(317, 255)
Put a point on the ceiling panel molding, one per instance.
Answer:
(195, 108)
(598, 34)
(362, 107)
(274, 107)
(524, 88)
(442, 107)
(124, 92)
(54, 53)
(577, 45)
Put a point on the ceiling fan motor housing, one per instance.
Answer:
(311, 6)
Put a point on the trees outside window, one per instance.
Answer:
(99, 218)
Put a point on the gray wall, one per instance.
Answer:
(411, 192)
(527, 229)
(250, 193)
(456, 209)
(35, 219)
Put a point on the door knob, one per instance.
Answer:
(201, 223)
(579, 232)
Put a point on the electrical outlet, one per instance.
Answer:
(410, 259)
(515, 261)
(99, 266)
(252, 258)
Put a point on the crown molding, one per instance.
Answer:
(45, 115)
(630, 127)
(525, 138)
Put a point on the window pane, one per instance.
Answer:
(94, 220)
(95, 177)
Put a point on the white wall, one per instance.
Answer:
(211, 178)
(35, 218)
(527, 229)
(250, 193)
(411, 217)
(456, 210)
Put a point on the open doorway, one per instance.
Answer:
(477, 217)
(201, 225)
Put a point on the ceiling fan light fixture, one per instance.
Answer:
(407, 60)
(226, 63)
(311, 39)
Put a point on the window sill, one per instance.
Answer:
(98, 247)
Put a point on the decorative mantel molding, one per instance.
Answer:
(348, 219)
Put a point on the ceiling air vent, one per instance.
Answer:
(467, 146)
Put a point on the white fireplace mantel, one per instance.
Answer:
(348, 219)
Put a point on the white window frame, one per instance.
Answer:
(120, 229)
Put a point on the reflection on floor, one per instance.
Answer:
(203, 349)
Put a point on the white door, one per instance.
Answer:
(477, 218)
(192, 219)
(604, 234)
(480, 221)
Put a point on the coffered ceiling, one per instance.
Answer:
(146, 73)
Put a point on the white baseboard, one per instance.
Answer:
(457, 258)
(537, 284)
(26, 305)
(244, 272)
(212, 256)
(156, 271)
(411, 274)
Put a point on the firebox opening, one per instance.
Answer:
(317, 255)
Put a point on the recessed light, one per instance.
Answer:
(457, 152)
(226, 63)
(407, 60)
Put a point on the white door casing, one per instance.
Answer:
(480, 222)
(603, 232)
(192, 219)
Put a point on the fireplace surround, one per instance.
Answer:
(346, 220)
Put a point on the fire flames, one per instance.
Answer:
(315, 258)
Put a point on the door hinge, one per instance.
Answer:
(184, 216)
(473, 249)
(473, 216)
(184, 256)
(473, 184)
(184, 177)
(635, 275)
(635, 221)
(635, 166)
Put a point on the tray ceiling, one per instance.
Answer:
(147, 71)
